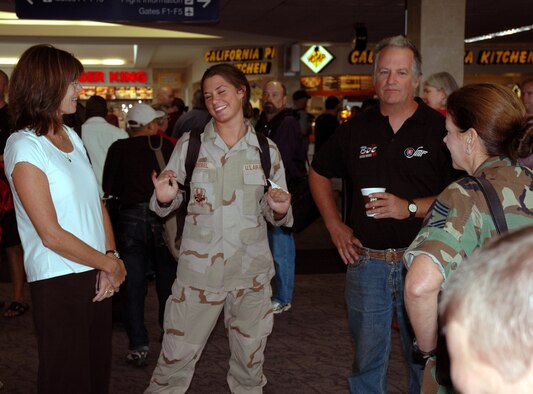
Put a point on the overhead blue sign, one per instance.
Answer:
(120, 10)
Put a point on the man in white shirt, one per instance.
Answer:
(98, 135)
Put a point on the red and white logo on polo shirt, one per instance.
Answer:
(368, 151)
(412, 152)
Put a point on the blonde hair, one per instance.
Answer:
(493, 289)
(444, 82)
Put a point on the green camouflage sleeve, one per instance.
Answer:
(450, 231)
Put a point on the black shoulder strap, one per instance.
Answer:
(193, 150)
(264, 154)
(494, 203)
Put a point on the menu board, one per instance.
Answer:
(118, 92)
(330, 83)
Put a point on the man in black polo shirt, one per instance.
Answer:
(396, 145)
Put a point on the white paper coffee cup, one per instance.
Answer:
(370, 190)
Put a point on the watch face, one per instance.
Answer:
(412, 208)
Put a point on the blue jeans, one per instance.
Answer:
(141, 246)
(374, 291)
(284, 253)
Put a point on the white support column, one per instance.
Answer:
(437, 28)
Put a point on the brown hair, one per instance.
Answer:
(496, 114)
(38, 85)
(235, 77)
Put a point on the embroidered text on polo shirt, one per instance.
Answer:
(368, 151)
(412, 152)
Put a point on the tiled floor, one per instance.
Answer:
(309, 351)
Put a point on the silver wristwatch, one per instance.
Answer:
(412, 207)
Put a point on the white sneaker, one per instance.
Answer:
(278, 307)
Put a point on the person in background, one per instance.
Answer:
(174, 112)
(527, 95)
(195, 119)
(127, 176)
(354, 111)
(280, 125)
(256, 113)
(163, 124)
(437, 88)
(225, 259)
(396, 145)
(492, 289)
(69, 249)
(165, 97)
(4, 112)
(299, 100)
(98, 135)
(305, 119)
(486, 128)
(165, 102)
(527, 99)
(369, 103)
(10, 240)
(327, 122)
(111, 117)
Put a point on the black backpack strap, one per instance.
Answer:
(494, 203)
(193, 150)
(264, 156)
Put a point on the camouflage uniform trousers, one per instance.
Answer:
(190, 316)
(429, 382)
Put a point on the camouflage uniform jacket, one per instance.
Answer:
(459, 221)
(224, 244)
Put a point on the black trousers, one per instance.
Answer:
(73, 335)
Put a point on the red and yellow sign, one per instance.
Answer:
(316, 58)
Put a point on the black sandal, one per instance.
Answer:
(16, 309)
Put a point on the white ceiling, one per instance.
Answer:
(258, 22)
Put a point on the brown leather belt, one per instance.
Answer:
(389, 255)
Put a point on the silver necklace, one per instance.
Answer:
(67, 154)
